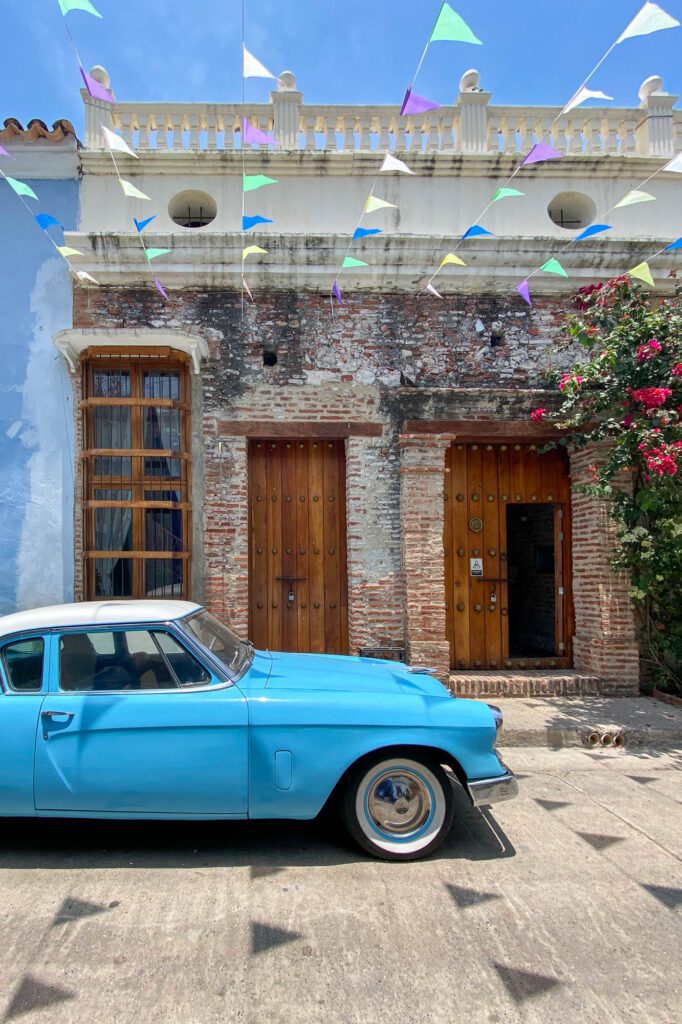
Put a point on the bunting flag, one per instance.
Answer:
(453, 260)
(142, 224)
(46, 220)
(505, 193)
(83, 275)
(66, 251)
(350, 261)
(153, 254)
(596, 229)
(541, 152)
(246, 288)
(5, 152)
(643, 273)
(582, 96)
(256, 136)
(336, 292)
(116, 144)
(254, 181)
(253, 250)
(677, 244)
(20, 187)
(451, 28)
(374, 203)
(131, 191)
(160, 289)
(251, 222)
(391, 163)
(524, 291)
(78, 5)
(475, 231)
(414, 104)
(433, 291)
(95, 88)
(253, 68)
(651, 18)
(675, 164)
(635, 197)
(553, 267)
(365, 232)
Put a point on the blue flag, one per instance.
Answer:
(364, 232)
(142, 224)
(677, 244)
(596, 229)
(250, 222)
(46, 219)
(475, 231)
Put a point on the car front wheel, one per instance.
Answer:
(398, 807)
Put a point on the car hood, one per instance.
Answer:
(337, 673)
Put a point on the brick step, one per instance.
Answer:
(524, 684)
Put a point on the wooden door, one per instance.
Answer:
(482, 481)
(298, 576)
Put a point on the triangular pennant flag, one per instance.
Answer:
(675, 164)
(635, 197)
(253, 68)
(78, 5)
(651, 18)
(83, 275)
(66, 251)
(373, 203)
(46, 220)
(253, 250)
(475, 232)
(582, 96)
(553, 267)
(524, 291)
(366, 232)
(350, 261)
(95, 88)
(246, 288)
(677, 244)
(160, 289)
(391, 163)
(453, 260)
(336, 292)
(250, 222)
(254, 181)
(506, 193)
(153, 254)
(643, 272)
(116, 143)
(131, 192)
(20, 187)
(256, 136)
(6, 152)
(142, 224)
(450, 28)
(414, 104)
(596, 229)
(433, 291)
(540, 152)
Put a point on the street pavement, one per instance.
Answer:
(564, 905)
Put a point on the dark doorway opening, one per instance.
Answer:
(532, 580)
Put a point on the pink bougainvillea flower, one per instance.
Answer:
(677, 370)
(652, 398)
(627, 422)
(538, 415)
(569, 378)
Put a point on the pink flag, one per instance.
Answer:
(96, 89)
(246, 288)
(524, 291)
(541, 151)
(336, 292)
(252, 135)
(414, 104)
(4, 152)
(159, 287)
(433, 291)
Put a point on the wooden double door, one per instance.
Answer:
(507, 556)
(298, 575)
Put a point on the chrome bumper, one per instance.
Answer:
(493, 791)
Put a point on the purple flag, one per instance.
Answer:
(252, 135)
(159, 287)
(541, 151)
(414, 104)
(336, 292)
(524, 291)
(4, 152)
(96, 89)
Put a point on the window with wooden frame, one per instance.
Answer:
(136, 474)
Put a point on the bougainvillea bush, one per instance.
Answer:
(625, 400)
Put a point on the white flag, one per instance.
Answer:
(131, 192)
(391, 163)
(116, 143)
(651, 18)
(373, 204)
(635, 197)
(83, 275)
(675, 164)
(253, 68)
(433, 291)
(582, 95)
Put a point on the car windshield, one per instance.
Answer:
(220, 641)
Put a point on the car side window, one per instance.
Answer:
(188, 670)
(126, 659)
(23, 661)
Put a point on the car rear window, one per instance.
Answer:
(23, 661)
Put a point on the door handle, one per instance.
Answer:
(57, 714)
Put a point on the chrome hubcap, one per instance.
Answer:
(399, 803)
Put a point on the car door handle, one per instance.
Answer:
(57, 714)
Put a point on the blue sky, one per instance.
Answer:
(345, 51)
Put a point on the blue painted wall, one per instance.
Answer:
(36, 402)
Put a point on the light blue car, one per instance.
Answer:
(154, 709)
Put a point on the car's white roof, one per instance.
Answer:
(91, 613)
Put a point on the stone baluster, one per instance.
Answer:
(628, 144)
(194, 123)
(472, 104)
(448, 130)
(561, 134)
(383, 123)
(286, 110)
(575, 131)
(609, 130)
(654, 134)
(493, 134)
(510, 125)
(593, 134)
(211, 129)
(526, 131)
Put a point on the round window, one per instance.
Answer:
(192, 209)
(572, 211)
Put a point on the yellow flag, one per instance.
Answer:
(643, 272)
(454, 260)
(66, 250)
(132, 192)
(373, 204)
(252, 250)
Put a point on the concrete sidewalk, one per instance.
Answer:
(582, 721)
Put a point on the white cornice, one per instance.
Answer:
(72, 343)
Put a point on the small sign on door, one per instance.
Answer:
(476, 566)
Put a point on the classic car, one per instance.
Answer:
(154, 709)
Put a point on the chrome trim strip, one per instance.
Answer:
(493, 791)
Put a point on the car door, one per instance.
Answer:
(135, 724)
(23, 684)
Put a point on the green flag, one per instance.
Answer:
(152, 254)
(20, 187)
(505, 193)
(78, 5)
(254, 181)
(554, 267)
(450, 28)
(350, 261)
